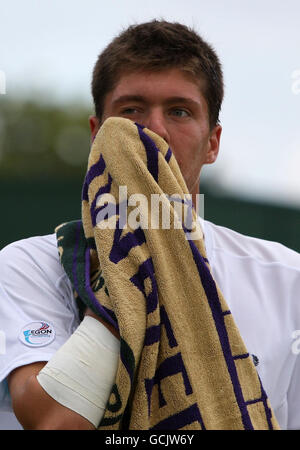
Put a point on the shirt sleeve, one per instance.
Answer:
(36, 300)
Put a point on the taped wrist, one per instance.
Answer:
(81, 373)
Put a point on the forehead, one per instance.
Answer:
(157, 85)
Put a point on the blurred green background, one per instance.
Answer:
(43, 158)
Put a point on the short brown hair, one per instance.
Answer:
(156, 46)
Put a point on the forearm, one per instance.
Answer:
(81, 374)
(35, 409)
(72, 389)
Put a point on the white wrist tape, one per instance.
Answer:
(82, 372)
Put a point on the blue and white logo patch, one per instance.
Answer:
(37, 334)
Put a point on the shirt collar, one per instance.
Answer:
(207, 238)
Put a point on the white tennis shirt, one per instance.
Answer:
(259, 279)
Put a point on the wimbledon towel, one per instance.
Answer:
(183, 364)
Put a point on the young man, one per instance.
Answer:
(167, 78)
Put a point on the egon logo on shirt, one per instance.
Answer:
(37, 334)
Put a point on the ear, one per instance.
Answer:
(213, 145)
(94, 126)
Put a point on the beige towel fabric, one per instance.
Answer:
(183, 364)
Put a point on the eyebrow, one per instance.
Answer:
(141, 99)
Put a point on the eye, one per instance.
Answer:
(179, 112)
(129, 111)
